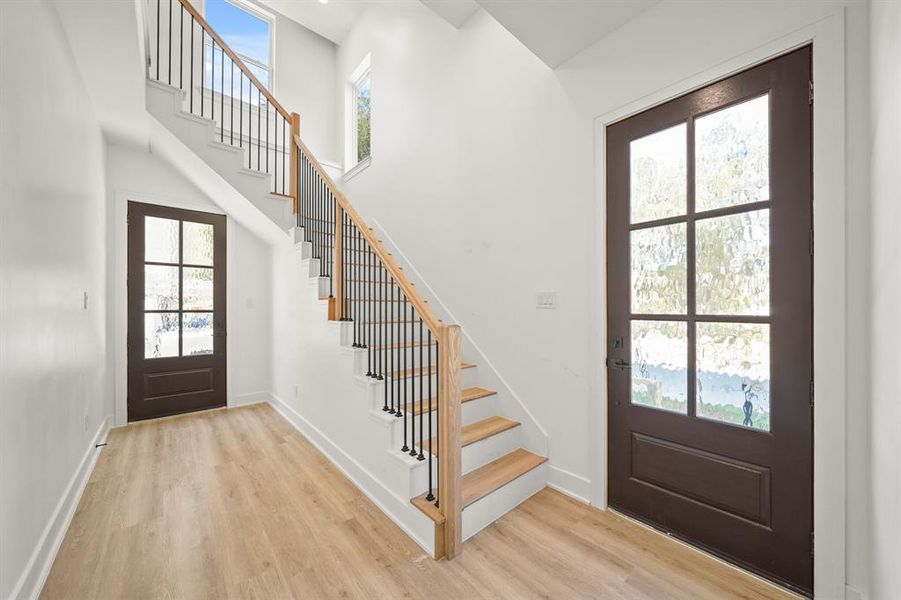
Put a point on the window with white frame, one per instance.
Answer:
(248, 31)
(359, 125)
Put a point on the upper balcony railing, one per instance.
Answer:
(184, 51)
(415, 356)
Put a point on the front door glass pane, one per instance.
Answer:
(160, 287)
(732, 155)
(160, 335)
(733, 264)
(198, 243)
(160, 240)
(734, 373)
(658, 270)
(197, 288)
(660, 365)
(197, 336)
(657, 165)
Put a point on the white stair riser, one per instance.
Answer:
(202, 136)
(485, 511)
(473, 456)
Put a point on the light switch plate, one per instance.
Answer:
(545, 299)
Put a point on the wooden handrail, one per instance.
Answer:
(232, 55)
(418, 302)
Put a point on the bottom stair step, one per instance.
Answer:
(498, 473)
(484, 480)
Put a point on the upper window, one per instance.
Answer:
(248, 32)
(359, 111)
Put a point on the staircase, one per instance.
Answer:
(433, 431)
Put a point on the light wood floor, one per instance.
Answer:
(237, 504)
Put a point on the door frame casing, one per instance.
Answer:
(119, 294)
(829, 274)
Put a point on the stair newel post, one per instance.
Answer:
(450, 499)
(295, 131)
(336, 303)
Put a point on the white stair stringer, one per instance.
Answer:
(199, 134)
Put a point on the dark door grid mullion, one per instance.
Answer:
(181, 291)
(691, 269)
(750, 319)
(725, 211)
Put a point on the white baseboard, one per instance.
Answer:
(359, 476)
(251, 398)
(852, 593)
(35, 574)
(574, 486)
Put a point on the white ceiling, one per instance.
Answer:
(332, 21)
(556, 30)
(455, 12)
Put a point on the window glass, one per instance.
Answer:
(363, 108)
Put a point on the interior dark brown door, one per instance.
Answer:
(710, 359)
(176, 311)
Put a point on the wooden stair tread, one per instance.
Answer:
(484, 480)
(498, 473)
(418, 371)
(428, 507)
(466, 395)
(480, 430)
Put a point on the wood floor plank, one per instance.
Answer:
(234, 504)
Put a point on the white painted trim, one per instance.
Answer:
(369, 485)
(120, 293)
(357, 169)
(362, 72)
(828, 38)
(565, 482)
(31, 582)
(251, 398)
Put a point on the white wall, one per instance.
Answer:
(885, 410)
(134, 174)
(55, 391)
(484, 172)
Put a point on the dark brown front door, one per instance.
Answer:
(710, 350)
(176, 311)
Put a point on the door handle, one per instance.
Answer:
(620, 365)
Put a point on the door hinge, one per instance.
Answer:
(811, 543)
(810, 92)
(811, 393)
(811, 242)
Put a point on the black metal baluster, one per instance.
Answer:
(267, 135)
(202, 65)
(437, 397)
(421, 397)
(212, 79)
(249, 123)
(412, 379)
(222, 95)
(231, 106)
(285, 150)
(259, 121)
(241, 108)
(191, 93)
(181, 47)
(401, 385)
(432, 440)
(383, 315)
(352, 294)
(389, 338)
(275, 152)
